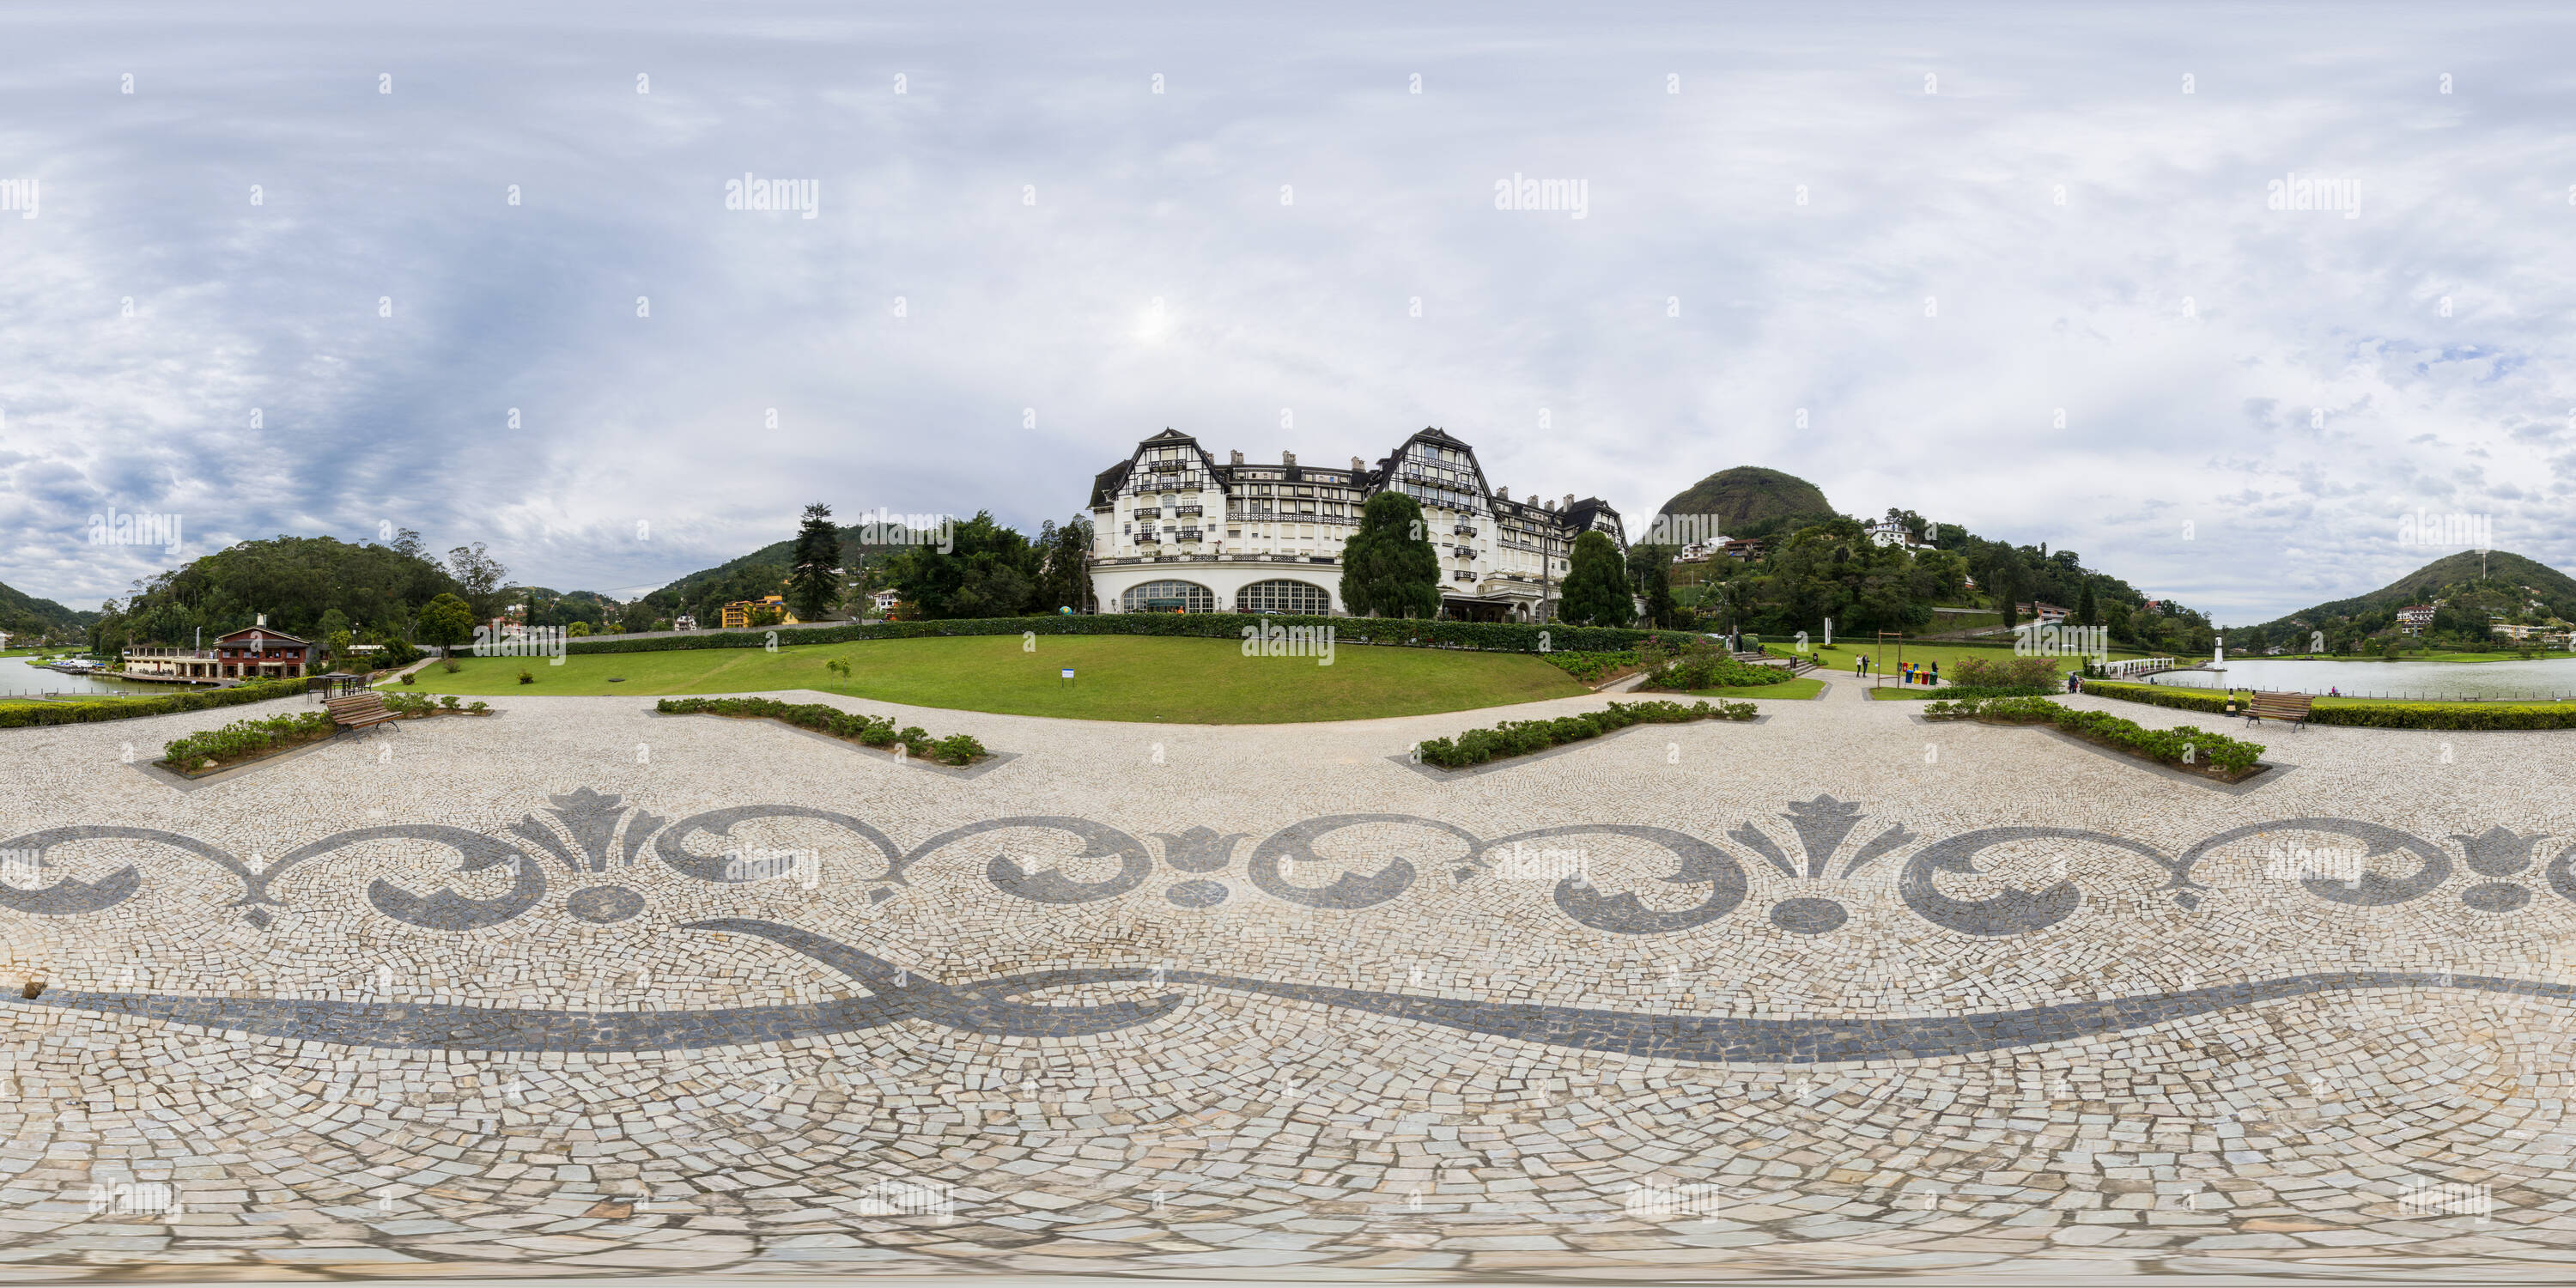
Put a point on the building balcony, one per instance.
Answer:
(1187, 511)
(1189, 534)
(1463, 574)
(1148, 539)
(1463, 530)
(1149, 512)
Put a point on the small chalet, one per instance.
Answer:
(260, 652)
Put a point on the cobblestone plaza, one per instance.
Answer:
(582, 988)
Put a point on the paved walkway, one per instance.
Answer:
(581, 988)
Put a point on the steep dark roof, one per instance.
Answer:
(1104, 485)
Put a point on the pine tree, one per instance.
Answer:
(1596, 587)
(2087, 613)
(1660, 609)
(814, 565)
(1388, 566)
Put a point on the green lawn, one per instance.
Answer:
(1117, 677)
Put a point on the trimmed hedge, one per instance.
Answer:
(2378, 715)
(873, 731)
(54, 713)
(2166, 745)
(1497, 637)
(1521, 737)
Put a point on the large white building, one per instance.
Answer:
(1174, 529)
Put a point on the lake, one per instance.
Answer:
(2539, 677)
(20, 675)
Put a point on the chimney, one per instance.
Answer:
(1357, 468)
(1551, 507)
(1287, 458)
(1238, 458)
(1502, 494)
(1569, 500)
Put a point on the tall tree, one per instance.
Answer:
(1064, 566)
(1388, 566)
(814, 567)
(481, 577)
(986, 570)
(1596, 586)
(2087, 611)
(1660, 608)
(447, 621)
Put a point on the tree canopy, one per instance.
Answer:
(1388, 566)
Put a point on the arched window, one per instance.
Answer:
(1168, 597)
(1283, 597)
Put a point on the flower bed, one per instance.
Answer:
(2212, 755)
(2369, 715)
(1521, 737)
(870, 731)
(245, 741)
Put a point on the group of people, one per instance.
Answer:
(1906, 672)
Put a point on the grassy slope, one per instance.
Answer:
(1188, 681)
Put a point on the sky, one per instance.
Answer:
(469, 269)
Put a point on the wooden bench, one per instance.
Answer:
(2292, 707)
(359, 710)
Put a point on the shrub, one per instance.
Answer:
(478, 708)
(407, 677)
(451, 666)
(526, 676)
(1958, 692)
(958, 749)
(2006, 673)
(1520, 737)
(1588, 667)
(450, 701)
(1702, 664)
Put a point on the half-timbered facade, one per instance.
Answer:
(1174, 529)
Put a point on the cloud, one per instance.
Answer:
(1931, 277)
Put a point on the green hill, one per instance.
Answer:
(24, 614)
(2497, 567)
(1749, 499)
